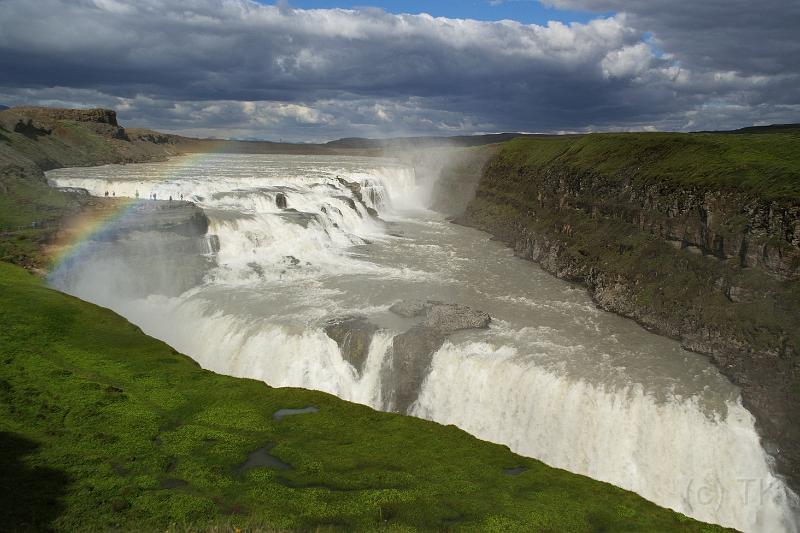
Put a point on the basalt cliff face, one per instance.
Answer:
(697, 257)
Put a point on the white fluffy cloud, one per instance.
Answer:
(250, 70)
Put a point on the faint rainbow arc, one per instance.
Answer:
(91, 225)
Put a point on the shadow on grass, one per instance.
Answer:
(30, 497)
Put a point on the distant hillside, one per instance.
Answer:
(51, 138)
(423, 142)
(3, 107)
(772, 128)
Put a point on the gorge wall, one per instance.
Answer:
(35, 139)
(696, 237)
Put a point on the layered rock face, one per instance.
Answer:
(744, 229)
(353, 334)
(409, 361)
(102, 116)
(53, 138)
(715, 268)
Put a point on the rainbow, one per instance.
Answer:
(78, 232)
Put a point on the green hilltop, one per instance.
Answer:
(765, 164)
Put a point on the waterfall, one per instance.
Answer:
(294, 241)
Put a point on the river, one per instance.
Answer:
(552, 377)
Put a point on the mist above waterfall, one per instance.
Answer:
(296, 241)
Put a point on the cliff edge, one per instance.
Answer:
(695, 236)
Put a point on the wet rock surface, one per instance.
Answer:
(354, 335)
(442, 316)
(409, 308)
(413, 351)
(453, 317)
(184, 218)
(300, 218)
(357, 191)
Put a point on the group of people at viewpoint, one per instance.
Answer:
(153, 195)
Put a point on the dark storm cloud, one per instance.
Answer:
(747, 36)
(233, 67)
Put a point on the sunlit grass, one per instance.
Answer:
(102, 427)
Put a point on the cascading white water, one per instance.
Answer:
(620, 435)
(553, 378)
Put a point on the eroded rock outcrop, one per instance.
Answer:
(354, 335)
(442, 316)
(356, 191)
(280, 201)
(413, 351)
(449, 318)
(409, 359)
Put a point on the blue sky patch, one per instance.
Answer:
(525, 11)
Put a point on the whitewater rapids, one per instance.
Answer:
(553, 378)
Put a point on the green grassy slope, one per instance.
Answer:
(767, 165)
(29, 209)
(103, 427)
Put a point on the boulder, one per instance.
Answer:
(409, 308)
(280, 201)
(412, 353)
(453, 317)
(442, 316)
(354, 335)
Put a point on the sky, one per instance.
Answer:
(525, 11)
(310, 71)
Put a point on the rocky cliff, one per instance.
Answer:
(33, 140)
(696, 237)
(53, 138)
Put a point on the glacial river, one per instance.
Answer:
(553, 377)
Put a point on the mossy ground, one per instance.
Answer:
(102, 427)
(30, 212)
(765, 164)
